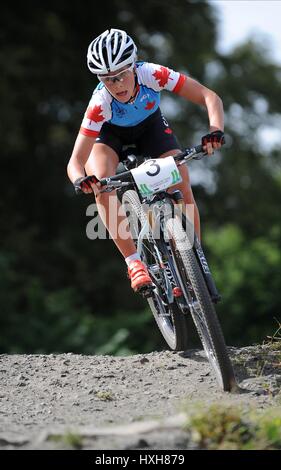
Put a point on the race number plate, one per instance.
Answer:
(154, 176)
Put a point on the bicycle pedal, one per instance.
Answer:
(146, 291)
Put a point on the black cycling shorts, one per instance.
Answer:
(152, 137)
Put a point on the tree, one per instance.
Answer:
(51, 273)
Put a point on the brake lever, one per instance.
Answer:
(199, 157)
(115, 185)
(106, 190)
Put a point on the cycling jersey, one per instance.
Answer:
(151, 80)
(151, 137)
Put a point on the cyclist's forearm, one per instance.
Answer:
(199, 94)
(214, 107)
(81, 151)
(75, 170)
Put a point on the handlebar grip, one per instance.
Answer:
(103, 182)
(199, 148)
(78, 190)
(79, 182)
(124, 176)
(92, 179)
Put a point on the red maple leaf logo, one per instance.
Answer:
(150, 104)
(162, 75)
(95, 113)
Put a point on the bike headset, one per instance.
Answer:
(110, 51)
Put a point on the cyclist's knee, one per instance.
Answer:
(103, 161)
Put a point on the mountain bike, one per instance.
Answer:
(182, 285)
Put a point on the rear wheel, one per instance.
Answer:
(169, 317)
(200, 304)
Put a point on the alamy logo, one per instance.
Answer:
(129, 226)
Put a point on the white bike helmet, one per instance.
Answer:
(111, 51)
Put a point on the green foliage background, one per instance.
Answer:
(60, 291)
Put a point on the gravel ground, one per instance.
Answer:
(105, 402)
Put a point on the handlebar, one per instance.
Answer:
(125, 178)
(189, 154)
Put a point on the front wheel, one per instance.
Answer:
(200, 304)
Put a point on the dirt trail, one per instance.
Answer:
(119, 402)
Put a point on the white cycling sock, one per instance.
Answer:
(131, 258)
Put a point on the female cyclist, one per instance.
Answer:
(124, 109)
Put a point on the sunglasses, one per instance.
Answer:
(119, 77)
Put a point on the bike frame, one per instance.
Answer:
(145, 233)
(124, 180)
